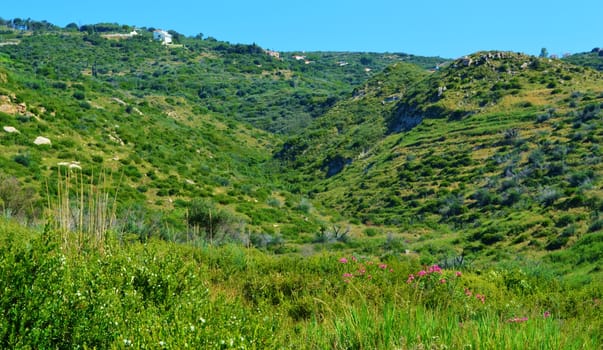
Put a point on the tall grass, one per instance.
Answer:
(391, 326)
(82, 209)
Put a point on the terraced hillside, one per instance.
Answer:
(499, 151)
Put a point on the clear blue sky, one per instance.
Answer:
(447, 28)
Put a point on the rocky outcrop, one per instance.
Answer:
(335, 165)
(10, 130)
(483, 58)
(71, 165)
(404, 119)
(9, 106)
(41, 140)
(406, 122)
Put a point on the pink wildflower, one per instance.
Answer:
(348, 275)
(343, 260)
(354, 259)
(546, 314)
(468, 292)
(435, 268)
(458, 274)
(422, 273)
(481, 297)
(361, 271)
(383, 266)
(411, 278)
(391, 270)
(517, 320)
(443, 280)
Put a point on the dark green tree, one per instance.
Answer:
(72, 26)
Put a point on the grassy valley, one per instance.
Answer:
(171, 123)
(205, 194)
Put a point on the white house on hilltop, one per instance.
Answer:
(163, 36)
(274, 54)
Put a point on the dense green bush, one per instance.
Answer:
(17, 200)
(212, 222)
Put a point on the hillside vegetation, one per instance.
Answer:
(171, 129)
(205, 194)
(592, 59)
(493, 154)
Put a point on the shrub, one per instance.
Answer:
(304, 206)
(484, 197)
(332, 235)
(451, 206)
(16, 200)
(274, 202)
(79, 95)
(22, 159)
(217, 224)
(371, 231)
(557, 242)
(565, 220)
(548, 196)
(596, 225)
(491, 238)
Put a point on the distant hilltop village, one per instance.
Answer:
(160, 35)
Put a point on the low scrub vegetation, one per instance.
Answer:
(171, 295)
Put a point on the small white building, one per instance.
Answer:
(274, 54)
(163, 36)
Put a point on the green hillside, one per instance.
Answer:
(592, 59)
(245, 82)
(493, 154)
(128, 112)
(203, 194)
(167, 130)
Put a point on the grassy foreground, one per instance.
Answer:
(60, 291)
